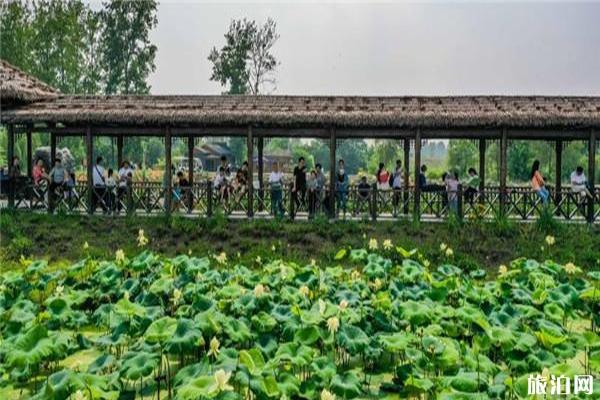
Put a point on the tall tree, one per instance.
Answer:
(92, 68)
(245, 64)
(127, 52)
(462, 155)
(15, 33)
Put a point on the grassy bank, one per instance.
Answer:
(61, 238)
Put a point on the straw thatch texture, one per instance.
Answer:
(18, 87)
(314, 111)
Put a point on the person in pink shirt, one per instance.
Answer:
(39, 173)
(537, 182)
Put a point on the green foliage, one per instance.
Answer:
(245, 64)
(462, 155)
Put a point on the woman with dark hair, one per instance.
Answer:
(537, 182)
(383, 178)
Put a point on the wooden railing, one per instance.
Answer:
(201, 199)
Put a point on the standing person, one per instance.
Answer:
(99, 185)
(397, 183)
(14, 174)
(341, 186)
(58, 178)
(111, 190)
(312, 193)
(125, 173)
(276, 184)
(383, 178)
(422, 178)
(579, 183)
(537, 183)
(364, 192)
(299, 187)
(472, 183)
(451, 182)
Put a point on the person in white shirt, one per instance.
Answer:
(276, 183)
(579, 182)
(221, 184)
(452, 183)
(99, 189)
(124, 176)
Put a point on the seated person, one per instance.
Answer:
(579, 183)
(221, 184)
(364, 193)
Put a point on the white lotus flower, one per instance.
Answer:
(176, 296)
(221, 258)
(304, 290)
(373, 244)
(120, 255)
(502, 270)
(258, 260)
(570, 268)
(355, 274)
(273, 248)
(387, 244)
(550, 240)
(259, 290)
(313, 262)
(343, 304)
(333, 324)
(214, 347)
(79, 395)
(142, 239)
(377, 283)
(443, 246)
(86, 245)
(126, 295)
(327, 395)
(59, 290)
(222, 379)
(449, 252)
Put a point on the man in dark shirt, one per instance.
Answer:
(422, 178)
(299, 187)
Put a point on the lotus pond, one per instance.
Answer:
(379, 323)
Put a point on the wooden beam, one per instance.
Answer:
(482, 146)
(250, 145)
(169, 175)
(417, 200)
(503, 169)
(89, 151)
(332, 166)
(10, 152)
(29, 154)
(592, 172)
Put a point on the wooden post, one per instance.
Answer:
(169, 176)
(406, 173)
(482, 146)
(10, 152)
(52, 149)
(89, 151)
(260, 173)
(29, 153)
(503, 170)
(209, 200)
(374, 202)
(557, 177)
(119, 151)
(191, 165)
(250, 144)
(417, 210)
(332, 143)
(591, 174)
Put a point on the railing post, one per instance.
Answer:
(209, 194)
(119, 151)
(503, 170)
(592, 174)
(417, 199)
(89, 151)
(9, 155)
(250, 146)
(51, 193)
(169, 176)
(482, 148)
(29, 152)
(261, 184)
(292, 204)
(130, 205)
(374, 202)
(557, 176)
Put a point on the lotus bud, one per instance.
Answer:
(120, 255)
(550, 240)
(322, 306)
(59, 290)
(502, 270)
(86, 245)
(222, 379)
(304, 290)
(443, 246)
(333, 324)
(343, 304)
(327, 395)
(449, 252)
(373, 244)
(214, 347)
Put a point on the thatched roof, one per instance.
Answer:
(18, 87)
(314, 111)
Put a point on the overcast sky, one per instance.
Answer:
(393, 48)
